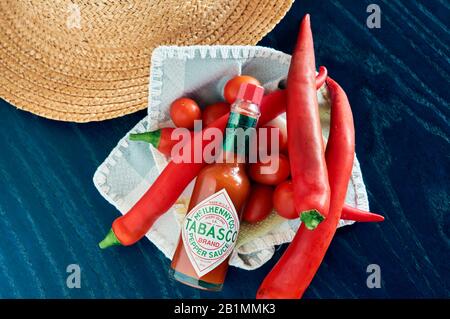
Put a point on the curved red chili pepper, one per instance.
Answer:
(321, 77)
(296, 268)
(162, 194)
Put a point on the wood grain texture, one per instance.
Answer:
(397, 79)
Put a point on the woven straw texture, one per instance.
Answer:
(88, 60)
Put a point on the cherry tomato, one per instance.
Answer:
(273, 172)
(283, 200)
(184, 112)
(231, 89)
(280, 122)
(267, 143)
(214, 111)
(259, 204)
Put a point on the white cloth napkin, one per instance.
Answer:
(200, 72)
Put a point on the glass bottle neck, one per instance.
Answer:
(238, 133)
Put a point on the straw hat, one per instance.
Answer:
(88, 60)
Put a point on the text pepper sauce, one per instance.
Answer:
(211, 226)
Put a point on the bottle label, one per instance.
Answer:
(209, 232)
(238, 132)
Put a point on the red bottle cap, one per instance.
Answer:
(251, 93)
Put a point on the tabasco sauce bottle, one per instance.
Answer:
(211, 226)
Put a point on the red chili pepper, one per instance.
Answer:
(162, 194)
(294, 271)
(321, 77)
(358, 215)
(305, 141)
(274, 104)
(161, 139)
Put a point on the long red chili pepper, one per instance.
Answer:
(162, 194)
(305, 141)
(294, 271)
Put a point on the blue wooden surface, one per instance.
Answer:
(397, 78)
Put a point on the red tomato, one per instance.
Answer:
(273, 172)
(184, 112)
(283, 200)
(214, 111)
(259, 204)
(282, 138)
(282, 125)
(231, 89)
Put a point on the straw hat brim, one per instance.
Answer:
(60, 75)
